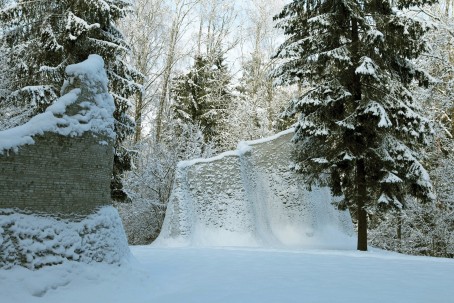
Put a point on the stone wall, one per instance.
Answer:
(60, 162)
(57, 175)
(250, 197)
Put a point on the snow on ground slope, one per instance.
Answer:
(238, 275)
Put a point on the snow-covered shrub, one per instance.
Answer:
(150, 181)
(418, 229)
(35, 241)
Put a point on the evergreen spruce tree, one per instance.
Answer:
(202, 96)
(43, 37)
(429, 229)
(359, 128)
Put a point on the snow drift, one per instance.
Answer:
(34, 241)
(249, 197)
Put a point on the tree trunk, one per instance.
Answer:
(270, 99)
(138, 117)
(166, 78)
(356, 87)
(361, 191)
(360, 203)
(399, 232)
(199, 37)
(162, 101)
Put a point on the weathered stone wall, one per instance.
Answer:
(35, 241)
(57, 175)
(219, 186)
(60, 162)
(250, 197)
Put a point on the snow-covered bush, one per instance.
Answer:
(150, 181)
(417, 230)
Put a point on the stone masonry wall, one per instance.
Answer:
(57, 175)
(250, 197)
(60, 162)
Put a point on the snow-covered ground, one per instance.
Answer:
(217, 275)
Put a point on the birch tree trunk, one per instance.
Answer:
(182, 10)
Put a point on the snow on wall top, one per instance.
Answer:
(86, 92)
(242, 148)
(92, 69)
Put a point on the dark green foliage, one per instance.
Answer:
(359, 128)
(202, 96)
(43, 37)
(429, 229)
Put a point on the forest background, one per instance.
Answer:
(195, 80)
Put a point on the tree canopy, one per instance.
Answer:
(359, 128)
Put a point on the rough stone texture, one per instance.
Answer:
(282, 195)
(54, 188)
(66, 176)
(224, 188)
(250, 198)
(57, 175)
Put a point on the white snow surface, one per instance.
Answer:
(44, 240)
(95, 115)
(91, 69)
(233, 275)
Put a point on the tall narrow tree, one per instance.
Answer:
(359, 128)
(43, 37)
(202, 97)
(180, 12)
(145, 32)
